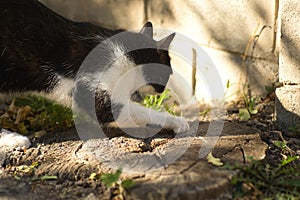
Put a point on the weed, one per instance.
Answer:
(113, 179)
(44, 178)
(250, 103)
(270, 88)
(22, 170)
(268, 181)
(280, 144)
(205, 112)
(294, 128)
(157, 102)
(113, 182)
(33, 113)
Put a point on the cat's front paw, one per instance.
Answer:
(181, 125)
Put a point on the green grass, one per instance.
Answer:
(157, 102)
(250, 104)
(113, 182)
(263, 180)
(33, 113)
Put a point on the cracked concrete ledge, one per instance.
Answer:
(188, 177)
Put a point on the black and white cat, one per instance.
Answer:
(41, 51)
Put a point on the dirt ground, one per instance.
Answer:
(72, 161)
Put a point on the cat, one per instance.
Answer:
(40, 51)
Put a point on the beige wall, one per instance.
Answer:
(222, 28)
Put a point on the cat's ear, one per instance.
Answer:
(147, 29)
(165, 42)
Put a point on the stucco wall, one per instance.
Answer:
(288, 95)
(224, 29)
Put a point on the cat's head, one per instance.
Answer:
(156, 59)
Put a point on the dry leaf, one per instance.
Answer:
(215, 161)
(5, 120)
(12, 109)
(22, 114)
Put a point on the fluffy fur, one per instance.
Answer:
(42, 52)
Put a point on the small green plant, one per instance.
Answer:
(280, 144)
(34, 113)
(263, 180)
(157, 102)
(250, 103)
(113, 182)
(270, 88)
(22, 170)
(205, 112)
(47, 113)
(44, 178)
(294, 128)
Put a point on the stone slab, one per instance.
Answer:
(229, 28)
(257, 72)
(197, 20)
(287, 106)
(218, 24)
(187, 177)
(109, 13)
(289, 57)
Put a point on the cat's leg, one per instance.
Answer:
(135, 115)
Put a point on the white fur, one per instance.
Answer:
(13, 140)
(135, 115)
(62, 92)
(120, 80)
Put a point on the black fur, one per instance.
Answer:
(35, 42)
(31, 36)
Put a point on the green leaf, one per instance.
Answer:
(156, 102)
(23, 101)
(110, 178)
(17, 177)
(270, 89)
(244, 114)
(205, 112)
(162, 97)
(44, 178)
(280, 144)
(228, 84)
(254, 111)
(229, 166)
(253, 101)
(21, 128)
(295, 183)
(293, 128)
(24, 168)
(288, 160)
(128, 183)
(35, 164)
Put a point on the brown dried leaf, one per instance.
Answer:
(22, 114)
(12, 109)
(6, 122)
(215, 161)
